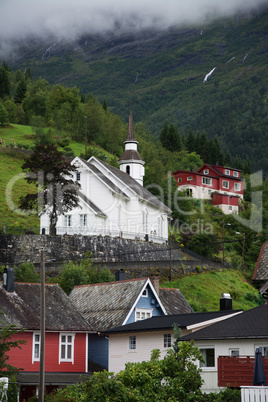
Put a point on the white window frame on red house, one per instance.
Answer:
(237, 187)
(225, 184)
(207, 181)
(66, 347)
(235, 174)
(189, 178)
(227, 172)
(179, 180)
(36, 347)
(206, 171)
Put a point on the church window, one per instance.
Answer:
(83, 220)
(128, 169)
(67, 220)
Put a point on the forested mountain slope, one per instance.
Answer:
(164, 76)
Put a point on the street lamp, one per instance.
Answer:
(86, 138)
(223, 225)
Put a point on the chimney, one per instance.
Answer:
(155, 281)
(8, 279)
(120, 275)
(225, 302)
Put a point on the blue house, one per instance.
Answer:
(112, 304)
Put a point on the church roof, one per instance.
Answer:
(130, 154)
(137, 188)
(97, 210)
(105, 179)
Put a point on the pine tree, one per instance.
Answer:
(4, 83)
(20, 91)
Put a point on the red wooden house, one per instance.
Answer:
(210, 180)
(65, 336)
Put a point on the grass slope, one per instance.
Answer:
(12, 186)
(203, 291)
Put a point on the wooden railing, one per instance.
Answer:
(237, 371)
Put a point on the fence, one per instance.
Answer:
(254, 394)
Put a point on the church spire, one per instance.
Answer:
(131, 162)
(131, 132)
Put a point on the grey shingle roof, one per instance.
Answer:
(97, 210)
(22, 308)
(166, 322)
(261, 269)
(130, 154)
(249, 324)
(174, 301)
(139, 190)
(106, 305)
(105, 179)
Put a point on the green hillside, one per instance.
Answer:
(203, 291)
(161, 76)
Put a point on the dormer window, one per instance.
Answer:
(235, 174)
(143, 313)
(227, 172)
(128, 169)
(206, 171)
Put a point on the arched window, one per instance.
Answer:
(128, 169)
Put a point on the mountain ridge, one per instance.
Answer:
(160, 75)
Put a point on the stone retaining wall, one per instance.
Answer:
(139, 258)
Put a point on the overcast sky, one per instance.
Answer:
(71, 18)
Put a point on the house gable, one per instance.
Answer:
(151, 303)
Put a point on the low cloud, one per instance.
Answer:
(71, 19)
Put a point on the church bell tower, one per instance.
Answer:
(131, 162)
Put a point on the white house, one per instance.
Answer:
(113, 202)
(228, 348)
(135, 341)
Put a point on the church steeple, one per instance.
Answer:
(131, 162)
(130, 131)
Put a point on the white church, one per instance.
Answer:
(113, 202)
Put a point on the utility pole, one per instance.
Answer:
(223, 224)
(170, 264)
(42, 329)
(243, 252)
(86, 137)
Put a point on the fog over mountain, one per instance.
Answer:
(20, 20)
